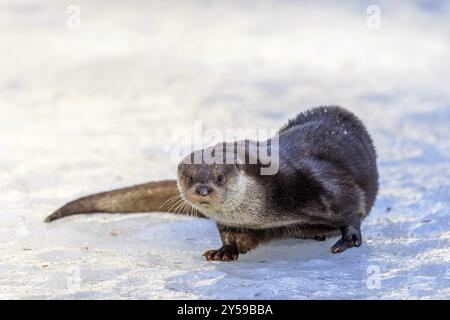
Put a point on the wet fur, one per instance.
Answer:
(326, 184)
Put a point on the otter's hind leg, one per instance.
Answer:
(236, 241)
(351, 237)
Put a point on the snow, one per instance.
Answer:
(94, 108)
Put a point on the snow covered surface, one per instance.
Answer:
(93, 109)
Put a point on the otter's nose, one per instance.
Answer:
(203, 190)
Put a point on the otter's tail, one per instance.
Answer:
(162, 196)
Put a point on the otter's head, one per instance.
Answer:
(211, 188)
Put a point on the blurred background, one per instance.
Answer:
(90, 94)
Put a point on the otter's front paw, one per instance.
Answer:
(222, 254)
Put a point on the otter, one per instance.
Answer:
(325, 184)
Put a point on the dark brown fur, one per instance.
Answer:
(326, 185)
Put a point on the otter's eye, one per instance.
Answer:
(219, 179)
(190, 179)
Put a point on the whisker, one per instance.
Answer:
(179, 208)
(175, 205)
(170, 200)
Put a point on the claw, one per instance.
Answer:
(351, 237)
(222, 254)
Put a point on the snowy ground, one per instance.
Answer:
(94, 108)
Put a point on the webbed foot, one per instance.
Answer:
(222, 254)
(351, 237)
